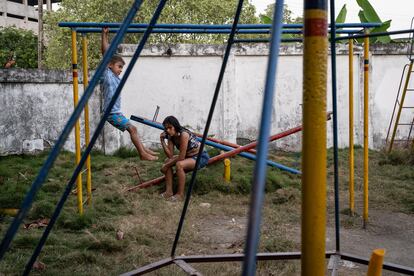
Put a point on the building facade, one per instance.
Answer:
(21, 13)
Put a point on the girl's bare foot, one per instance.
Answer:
(176, 197)
(148, 157)
(166, 195)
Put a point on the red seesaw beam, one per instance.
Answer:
(226, 143)
(219, 157)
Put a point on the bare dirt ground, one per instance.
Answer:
(389, 230)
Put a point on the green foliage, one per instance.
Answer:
(341, 19)
(21, 44)
(288, 18)
(368, 14)
(267, 18)
(342, 15)
(176, 11)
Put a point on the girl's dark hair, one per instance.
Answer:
(171, 120)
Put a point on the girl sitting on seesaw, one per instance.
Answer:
(188, 145)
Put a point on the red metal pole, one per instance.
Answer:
(252, 145)
(227, 143)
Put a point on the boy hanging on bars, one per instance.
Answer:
(109, 83)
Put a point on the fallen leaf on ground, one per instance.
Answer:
(37, 224)
(39, 265)
(119, 235)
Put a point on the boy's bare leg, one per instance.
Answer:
(151, 152)
(143, 154)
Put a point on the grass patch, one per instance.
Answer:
(88, 245)
(124, 152)
(397, 157)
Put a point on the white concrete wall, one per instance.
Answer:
(35, 105)
(183, 85)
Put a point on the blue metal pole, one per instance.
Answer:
(219, 146)
(355, 36)
(209, 31)
(207, 26)
(257, 195)
(195, 31)
(94, 138)
(335, 126)
(27, 202)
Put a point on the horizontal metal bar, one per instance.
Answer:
(240, 257)
(263, 257)
(208, 26)
(358, 25)
(266, 40)
(219, 258)
(189, 31)
(149, 267)
(375, 34)
(187, 268)
(205, 31)
(387, 266)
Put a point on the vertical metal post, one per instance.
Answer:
(86, 114)
(366, 83)
(351, 126)
(314, 138)
(40, 34)
(77, 125)
(258, 185)
(26, 12)
(401, 104)
(335, 124)
(227, 169)
(49, 5)
(375, 263)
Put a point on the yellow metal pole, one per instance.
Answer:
(87, 132)
(227, 169)
(77, 126)
(351, 127)
(9, 212)
(314, 139)
(366, 82)
(407, 80)
(375, 263)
